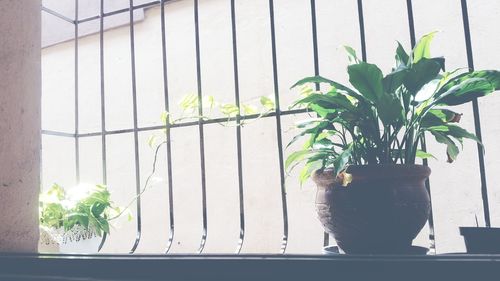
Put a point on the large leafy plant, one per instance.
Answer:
(89, 207)
(382, 118)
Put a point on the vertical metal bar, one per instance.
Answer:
(136, 134)
(238, 128)
(103, 98)
(315, 40)
(326, 236)
(362, 29)
(284, 241)
(477, 120)
(432, 232)
(167, 128)
(411, 23)
(103, 103)
(413, 42)
(77, 140)
(200, 129)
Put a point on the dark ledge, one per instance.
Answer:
(248, 267)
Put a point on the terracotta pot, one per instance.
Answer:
(380, 212)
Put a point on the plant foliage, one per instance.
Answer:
(88, 207)
(381, 119)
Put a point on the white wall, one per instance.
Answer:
(455, 188)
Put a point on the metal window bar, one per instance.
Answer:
(238, 129)
(102, 101)
(314, 30)
(201, 131)
(361, 19)
(477, 120)
(102, 95)
(200, 123)
(284, 241)
(432, 239)
(77, 138)
(167, 130)
(136, 132)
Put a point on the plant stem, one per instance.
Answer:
(145, 184)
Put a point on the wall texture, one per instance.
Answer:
(19, 124)
(455, 188)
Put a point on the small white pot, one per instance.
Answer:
(77, 240)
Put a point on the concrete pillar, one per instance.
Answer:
(20, 84)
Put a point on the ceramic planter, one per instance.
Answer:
(76, 240)
(380, 212)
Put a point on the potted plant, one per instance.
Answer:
(362, 146)
(481, 240)
(74, 221)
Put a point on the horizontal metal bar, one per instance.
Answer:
(193, 123)
(58, 15)
(59, 134)
(124, 10)
(247, 267)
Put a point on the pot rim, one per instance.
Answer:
(363, 173)
(477, 229)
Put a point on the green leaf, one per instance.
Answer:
(209, 102)
(103, 224)
(315, 131)
(493, 76)
(422, 48)
(353, 58)
(98, 208)
(424, 155)
(189, 102)
(341, 161)
(308, 169)
(73, 218)
(367, 79)
(230, 110)
(401, 55)
(454, 131)
(421, 73)
(307, 122)
(466, 91)
(394, 80)
(267, 103)
(312, 79)
(58, 191)
(151, 141)
(468, 86)
(339, 87)
(306, 90)
(330, 101)
(324, 111)
(296, 157)
(249, 109)
(438, 117)
(389, 109)
(451, 148)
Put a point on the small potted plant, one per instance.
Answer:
(481, 240)
(74, 221)
(362, 144)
